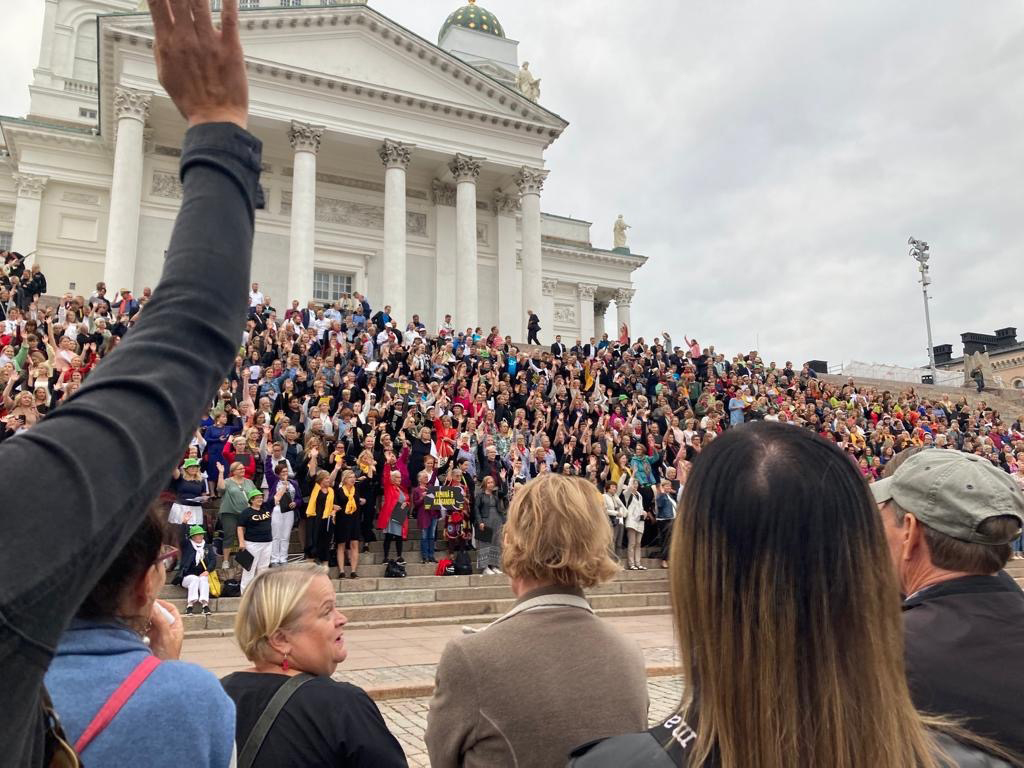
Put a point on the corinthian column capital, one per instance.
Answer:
(531, 180)
(305, 137)
(131, 103)
(464, 168)
(30, 185)
(624, 296)
(395, 154)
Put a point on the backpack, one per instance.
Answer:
(394, 570)
(463, 565)
(445, 568)
(231, 588)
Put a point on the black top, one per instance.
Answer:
(325, 724)
(964, 643)
(135, 412)
(256, 523)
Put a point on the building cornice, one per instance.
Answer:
(17, 129)
(510, 109)
(597, 255)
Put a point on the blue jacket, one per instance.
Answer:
(180, 715)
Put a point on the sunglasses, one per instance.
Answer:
(167, 554)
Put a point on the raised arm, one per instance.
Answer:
(139, 407)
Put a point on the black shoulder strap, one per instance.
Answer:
(263, 725)
(676, 738)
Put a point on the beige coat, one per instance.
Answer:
(533, 686)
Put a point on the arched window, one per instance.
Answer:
(1018, 383)
(85, 52)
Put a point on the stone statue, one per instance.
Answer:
(620, 232)
(527, 84)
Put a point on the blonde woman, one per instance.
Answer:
(486, 710)
(289, 627)
(787, 612)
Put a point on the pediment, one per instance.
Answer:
(358, 46)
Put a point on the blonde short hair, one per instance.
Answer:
(272, 601)
(557, 531)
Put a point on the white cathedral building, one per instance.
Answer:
(409, 171)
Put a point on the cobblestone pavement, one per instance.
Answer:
(423, 674)
(407, 718)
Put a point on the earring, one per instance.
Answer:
(284, 663)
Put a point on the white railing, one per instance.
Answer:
(81, 86)
(884, 372)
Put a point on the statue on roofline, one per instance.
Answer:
(527, 84)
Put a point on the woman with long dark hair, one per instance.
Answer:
(788, 618)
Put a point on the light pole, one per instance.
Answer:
(919, 251)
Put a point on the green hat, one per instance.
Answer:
(254, 493)
(196, 530)
(954, 493)
(189, 463)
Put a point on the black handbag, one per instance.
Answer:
(486, 535)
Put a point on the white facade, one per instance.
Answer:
(392, 167)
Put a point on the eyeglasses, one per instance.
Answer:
(167, 554)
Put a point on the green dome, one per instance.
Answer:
(473, 17)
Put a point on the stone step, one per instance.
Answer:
(424, 589)
(221, 625)
(420, 578)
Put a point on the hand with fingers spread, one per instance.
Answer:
(201, 67)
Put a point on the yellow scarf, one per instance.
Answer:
(350, 503)
(328, 507)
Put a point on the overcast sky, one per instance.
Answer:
(772, 159)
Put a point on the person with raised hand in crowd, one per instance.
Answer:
(290, 711)
(138, 408)
(788, 620)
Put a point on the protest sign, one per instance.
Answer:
(444, 497)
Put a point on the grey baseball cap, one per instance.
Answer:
(954, 493)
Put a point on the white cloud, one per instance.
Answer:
(773, 158)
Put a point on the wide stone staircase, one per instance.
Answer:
(421, 598)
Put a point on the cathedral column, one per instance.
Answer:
(623, 298)
(26, 212)
(305, 140)
(465, 169)
(131, 108)
(585, 292)
(510, 319)
(443, 197)
(547, 309)
(531, 182)
(600, 307)
(395, 157)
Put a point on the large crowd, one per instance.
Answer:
(838, 591)
(337, 412)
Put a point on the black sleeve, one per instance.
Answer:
(135, 412)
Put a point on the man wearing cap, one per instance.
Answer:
(197, 560)
(949, 519)
(255, 534)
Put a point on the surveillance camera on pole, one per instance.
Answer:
(919, 252)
